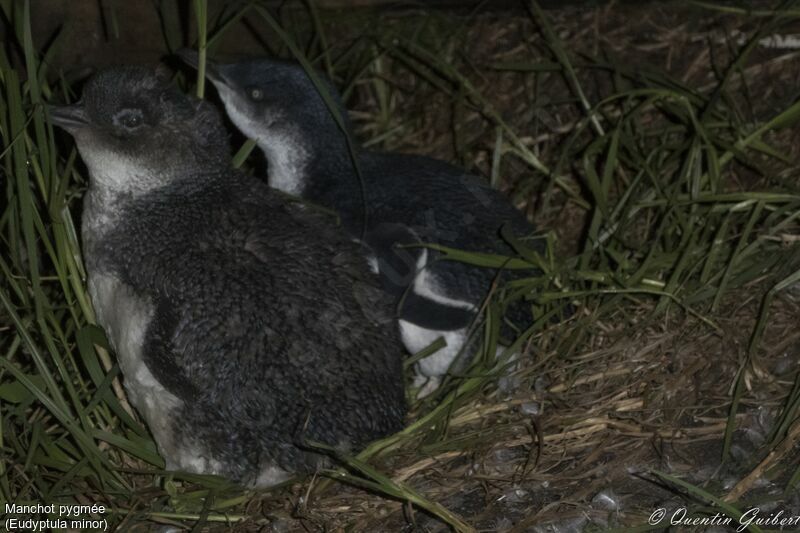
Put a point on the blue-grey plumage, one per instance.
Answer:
(246, 326)
(407, 198)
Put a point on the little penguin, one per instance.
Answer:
(409, 199)
(247, 326)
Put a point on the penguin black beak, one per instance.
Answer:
(70, 117)
(192, 58)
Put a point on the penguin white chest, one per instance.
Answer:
(125, 318)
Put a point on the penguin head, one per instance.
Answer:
(269, 100)
(135, 131)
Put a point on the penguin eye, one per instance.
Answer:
(256, 94)
(129, 119)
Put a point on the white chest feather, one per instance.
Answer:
(287, 161)
(125, 318)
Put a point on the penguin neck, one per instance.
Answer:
(302, 161)
(105, 202)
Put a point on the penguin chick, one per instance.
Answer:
(246, 326)
(277, 104)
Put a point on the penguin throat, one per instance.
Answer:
(303, 163)
(288, 160)
(114, 175)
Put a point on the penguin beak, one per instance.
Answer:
(70, 117)
(192, 58)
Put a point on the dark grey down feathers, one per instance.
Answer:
(261, 321)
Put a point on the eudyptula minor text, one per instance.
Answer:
(408, 199)
(246, 326)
